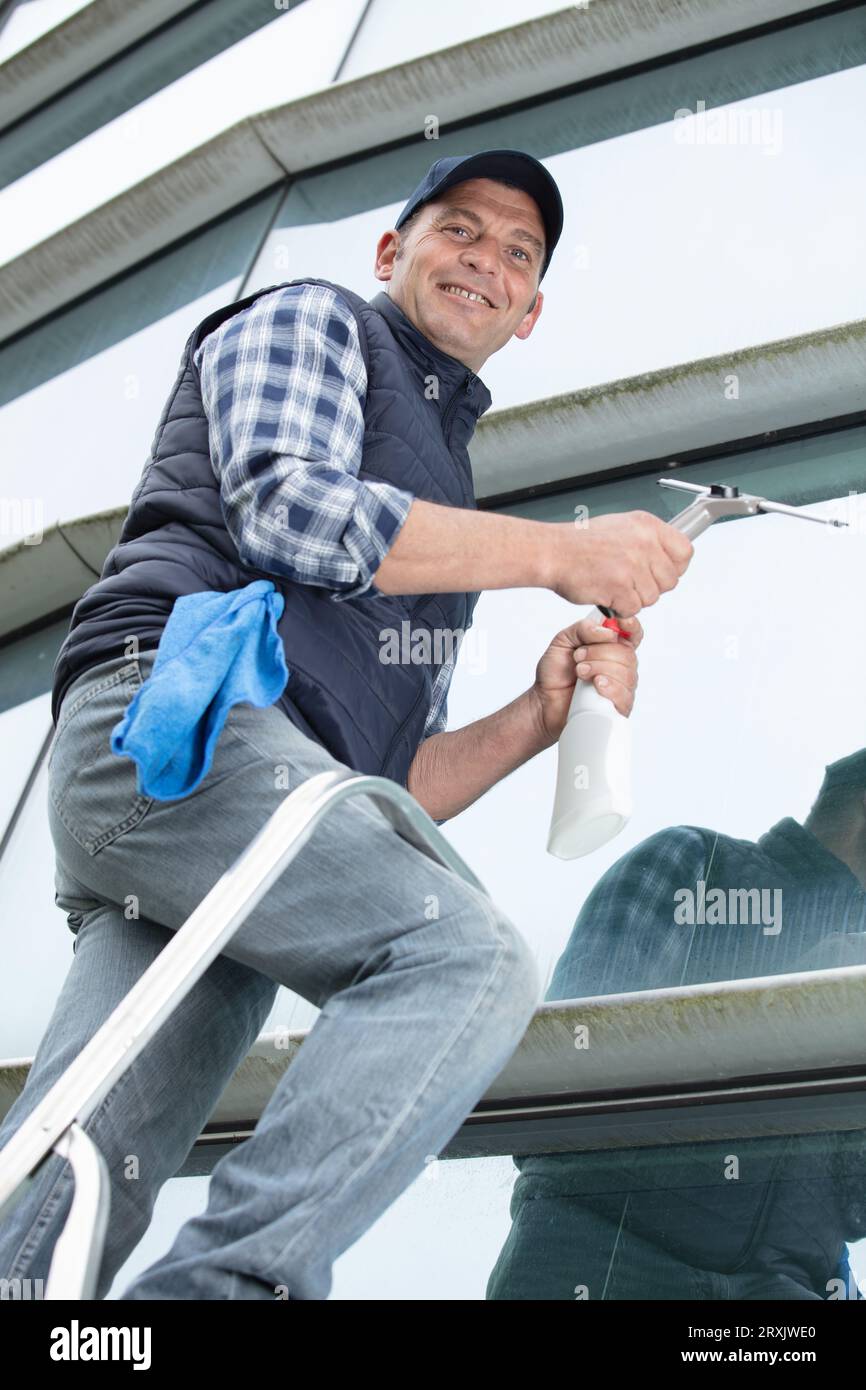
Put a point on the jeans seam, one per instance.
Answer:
(245, 738)
(140, 807)
(121, 675)
(268, 757)
(129, 674)
(35, 1232)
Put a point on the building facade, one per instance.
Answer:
(704, 315)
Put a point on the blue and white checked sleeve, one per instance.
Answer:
(437, 719)
(625, 937)
(283, 385)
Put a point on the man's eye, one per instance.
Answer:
(455, 227)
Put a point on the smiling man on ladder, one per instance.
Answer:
(317, 441)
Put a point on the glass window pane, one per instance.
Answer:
(24, 730)
(35, 940)
(736, 1219)
(222, 95)
(682, 239)
(394, 32)
(149, 65)
(26, 665)
(119, 351)
(675, 1223)
(728, 750)
(29, 21)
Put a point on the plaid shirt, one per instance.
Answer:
(627, 936)
(283, 385)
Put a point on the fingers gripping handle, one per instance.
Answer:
(593, 781)
(586, 695)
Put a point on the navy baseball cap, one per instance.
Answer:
(512, 165)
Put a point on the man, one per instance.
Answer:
(669, 1223)
(319, 441)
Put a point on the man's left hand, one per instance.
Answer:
(586, 651)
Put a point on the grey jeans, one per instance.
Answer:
(425, 991)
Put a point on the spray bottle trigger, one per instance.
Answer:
(612, 623)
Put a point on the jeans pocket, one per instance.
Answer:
(94, 791)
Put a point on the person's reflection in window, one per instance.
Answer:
(666, 1223)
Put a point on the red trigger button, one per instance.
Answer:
(612, 623)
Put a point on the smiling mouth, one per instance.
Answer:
(468, 296)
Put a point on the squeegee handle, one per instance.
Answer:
(692, 520)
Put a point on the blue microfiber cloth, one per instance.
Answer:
(216, 649)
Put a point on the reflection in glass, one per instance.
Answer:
(737, 1219)
(689, 904)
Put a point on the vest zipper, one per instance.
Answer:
(467, 386)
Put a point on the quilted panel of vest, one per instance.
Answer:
(452, 426)
(404, 744)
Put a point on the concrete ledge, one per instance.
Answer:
(39, 579)
(794, 381)
(684, 1052)
(354, 117)
(72, 49)
(135, 224)
(788, 382)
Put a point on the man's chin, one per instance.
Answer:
(443, 333)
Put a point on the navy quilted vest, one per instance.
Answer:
(370, 714)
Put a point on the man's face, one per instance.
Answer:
(483, 237)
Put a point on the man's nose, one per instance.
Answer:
(484, 251)
(483, 255)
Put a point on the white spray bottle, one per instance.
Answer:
(593, 778)
(593, 799)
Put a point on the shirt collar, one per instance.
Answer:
(791, 844)
(453, 374)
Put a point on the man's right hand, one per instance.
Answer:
(624, 561)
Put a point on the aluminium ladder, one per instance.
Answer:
(57, 1122)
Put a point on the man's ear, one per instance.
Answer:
(530, 318)
(386, 251)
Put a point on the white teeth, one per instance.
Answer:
(455, 289)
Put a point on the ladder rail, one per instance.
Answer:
(78, 1251)
(56, 1123)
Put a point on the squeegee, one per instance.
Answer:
(593, 798)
